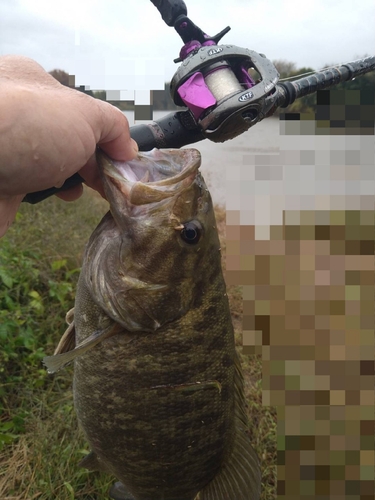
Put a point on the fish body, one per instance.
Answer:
(158, 388)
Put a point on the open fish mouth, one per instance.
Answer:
(152, 176)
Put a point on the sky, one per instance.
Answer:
(125, 45)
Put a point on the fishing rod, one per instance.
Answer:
(221, 99)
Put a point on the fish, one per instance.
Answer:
(158, 388)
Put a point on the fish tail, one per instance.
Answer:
(240, 477)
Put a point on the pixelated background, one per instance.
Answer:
(300, 240)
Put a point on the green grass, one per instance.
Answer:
(40, 443)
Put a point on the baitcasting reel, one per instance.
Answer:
(214, 83)
(213, 80)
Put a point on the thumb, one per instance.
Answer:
(114, 136)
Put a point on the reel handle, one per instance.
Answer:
(170, 10)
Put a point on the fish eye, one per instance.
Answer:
(191, 233)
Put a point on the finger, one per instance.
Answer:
(90, 173)
(71, 194)
(8, 210)
(118, 151)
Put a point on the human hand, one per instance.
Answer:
(48, 132)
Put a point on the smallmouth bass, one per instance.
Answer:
(158, 388)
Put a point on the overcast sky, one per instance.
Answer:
(115, 44)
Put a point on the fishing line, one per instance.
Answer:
(335, 66)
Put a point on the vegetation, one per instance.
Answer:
(40, 442)
(162, 99)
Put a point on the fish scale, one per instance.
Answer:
(158, 389)
(180, 421)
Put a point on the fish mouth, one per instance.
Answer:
(152, 176)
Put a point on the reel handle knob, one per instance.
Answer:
(170, 10)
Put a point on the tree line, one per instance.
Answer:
(162, 100)
(365, 84)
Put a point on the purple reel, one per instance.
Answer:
(202, 90)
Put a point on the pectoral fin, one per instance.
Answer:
(70, 316)
(63, 356)
(67, 341)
